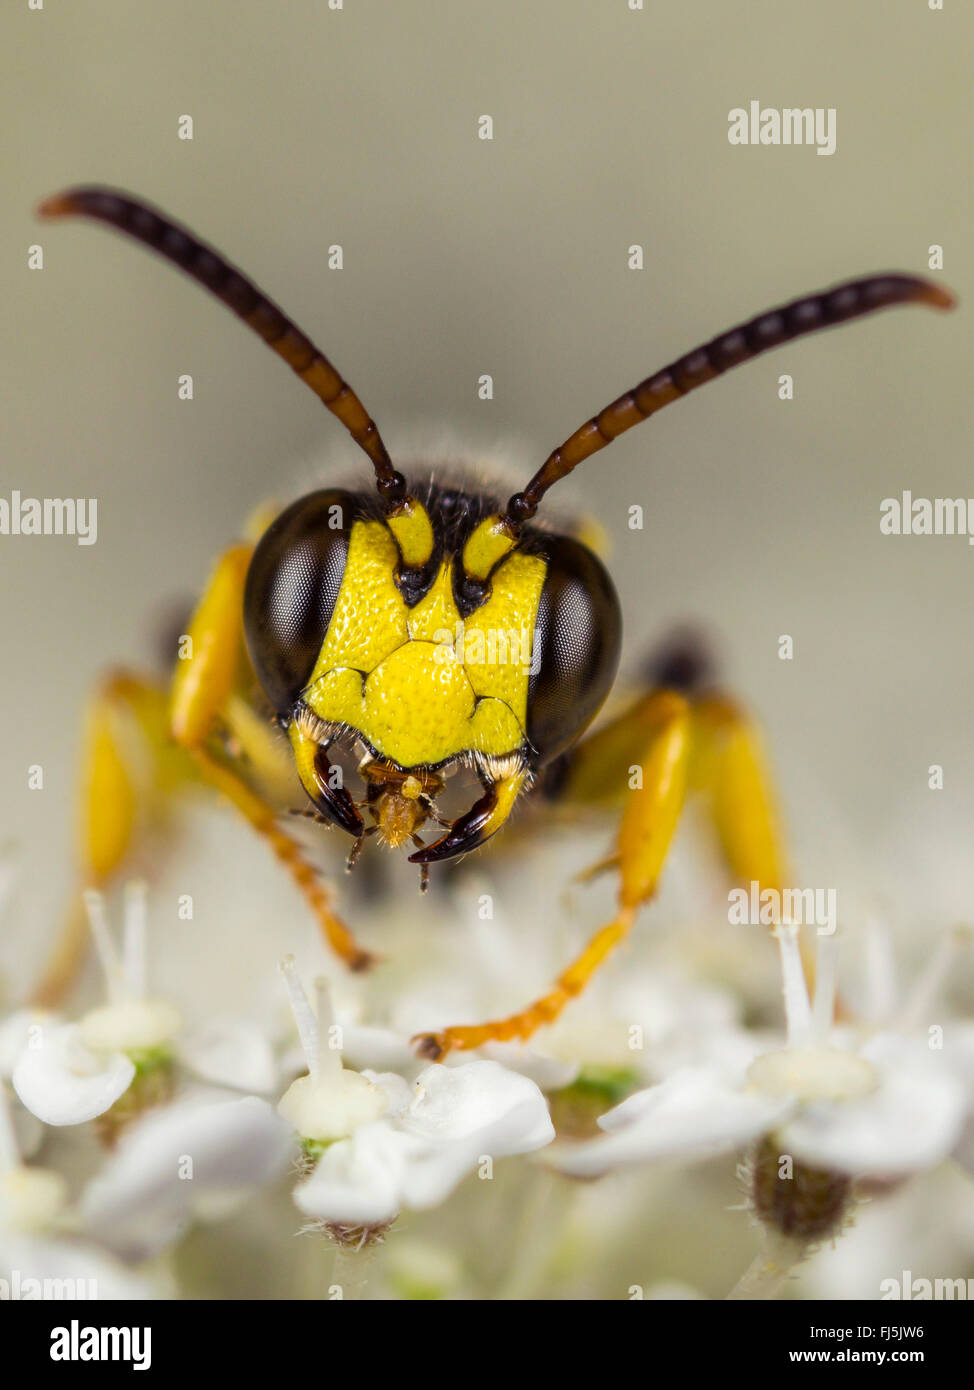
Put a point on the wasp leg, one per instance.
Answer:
(202, 691)
(650, 815)
(127, 761)
(732, 773)
(731, 770)
(728, 769)
(205, 676)
(141, 742)
(262, 816)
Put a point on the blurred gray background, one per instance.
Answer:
(464, 257)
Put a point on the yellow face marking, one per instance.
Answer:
(369, 618)
(418, 683)
(413, 532)
(435, 617)
(487, 543)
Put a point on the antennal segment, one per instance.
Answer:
(847, 301)
(177, 245)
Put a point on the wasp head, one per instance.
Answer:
(426, 640)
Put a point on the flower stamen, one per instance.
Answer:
(798, 1012)
(134, 939)
(826, 975)
(111, 962)
(304, 1017)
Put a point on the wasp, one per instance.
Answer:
(339, 613)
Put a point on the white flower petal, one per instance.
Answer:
(483, 1103)
(728, 1052)
(467, 1114)
(548, 1073)
(231, 1052)
(456, 1116)
(958, 1052)
(433, 1172)
(63, 1083)
(633, 1108)
(397, 1089)
(177, 1157)
(912, 1121)
(692, 1114)
(358, 1181)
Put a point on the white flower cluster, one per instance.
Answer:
(134, 1136)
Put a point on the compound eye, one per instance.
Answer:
(577, 638)
(292, 586)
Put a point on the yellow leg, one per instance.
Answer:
(140, 742)
(205, 676)
(732, 771)
(728, 769)
(263, 818)
(650, 816)
(126, 760)
(202, 700)
(571, 982)
(263, 751)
